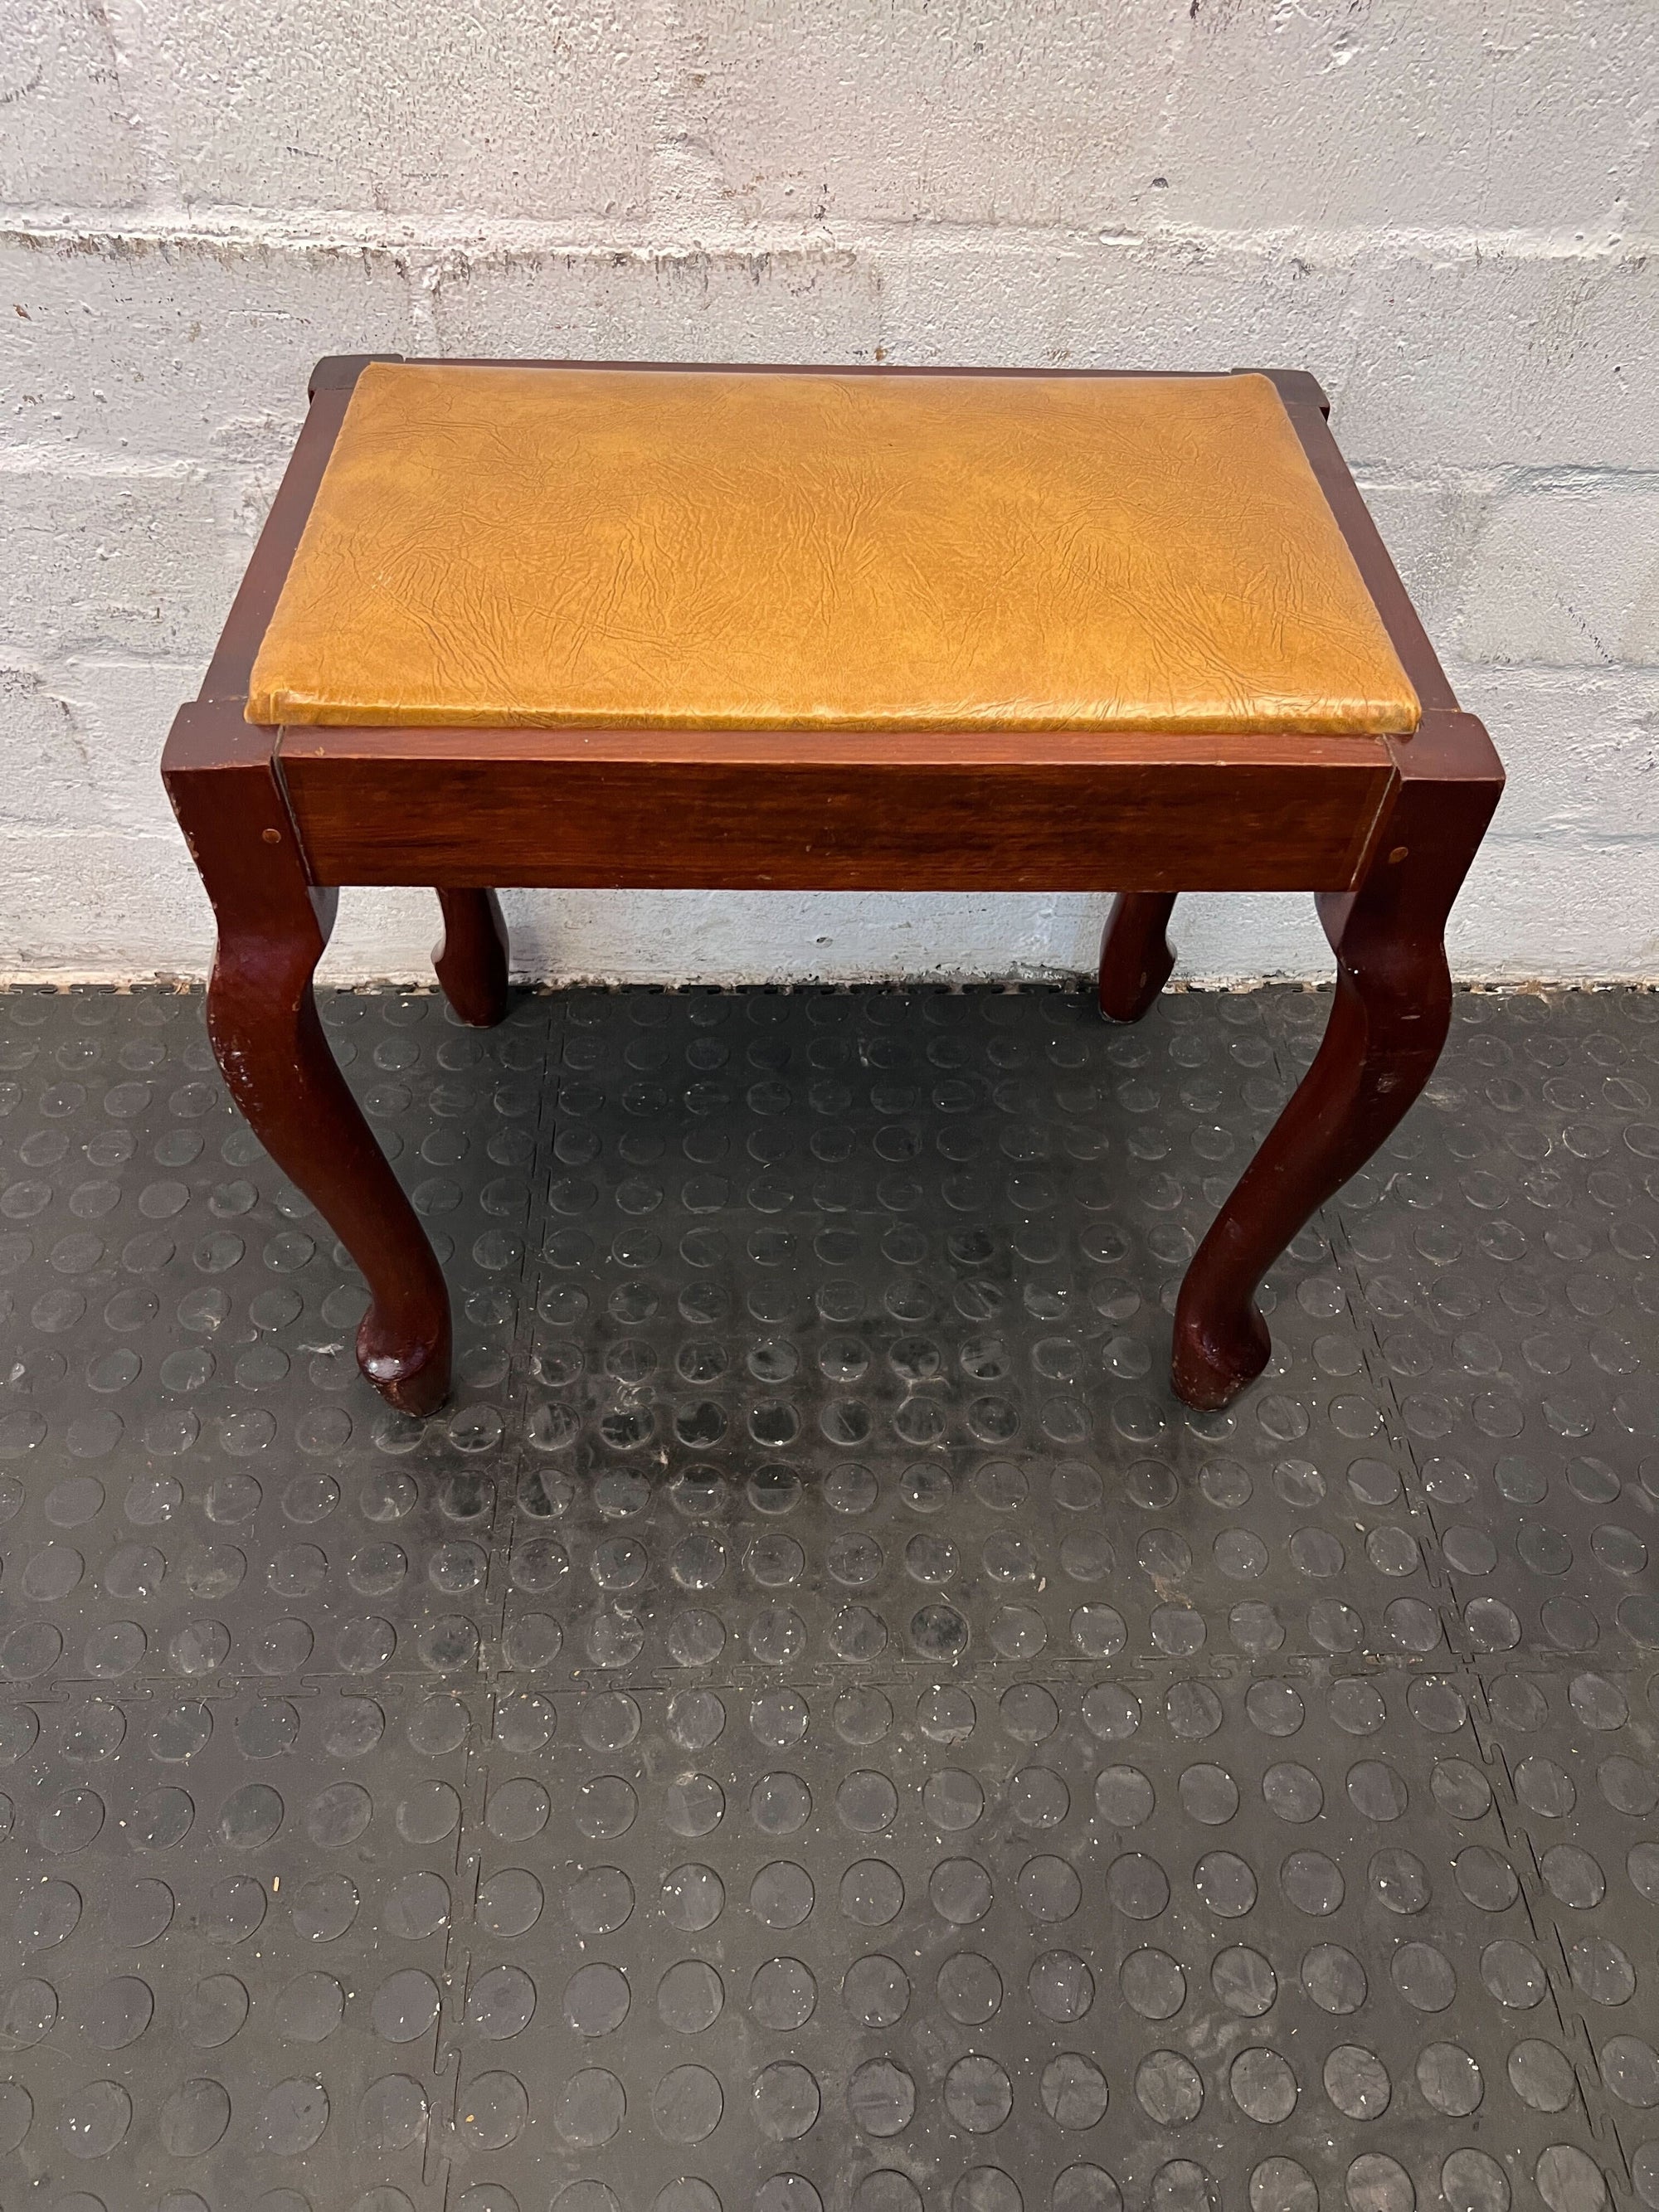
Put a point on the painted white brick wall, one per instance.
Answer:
(1447, 213)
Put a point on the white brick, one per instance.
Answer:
(1559, 910)
(1052, 113)
(1124, 303)
(137, 563)
(1415, 115)
(661, 306)
(1474, 361)
(1430, 526)
(1487, 358)
(1423, 203)
(43, 755)
(1011, 114)
(123, 710)
(1581, 750)
(383, 932)
(524, 108)
(100, 904)
(66, 134)
(104, 906)
(170, 349)
(83, 747)
(1568, 572)
(663, 937)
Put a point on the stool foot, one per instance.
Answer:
(1216, 1353)
(470, 958)
(1387, 1026)
(262, 1020)
(412, 1376)
(1388, 1023)
(1135, 959)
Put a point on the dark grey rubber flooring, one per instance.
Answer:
(817, 1724)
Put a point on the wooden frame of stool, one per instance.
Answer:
(1383, 829)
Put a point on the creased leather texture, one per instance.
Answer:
(694, 548)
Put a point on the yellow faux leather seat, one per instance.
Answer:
(707, 549)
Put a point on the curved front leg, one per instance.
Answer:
(1389, 1020)
(470, 958)
(1387, 1026)
(1135, 959)
(262, 1021)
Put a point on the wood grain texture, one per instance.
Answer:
(793, 812)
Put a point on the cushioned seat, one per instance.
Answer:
(504, 546)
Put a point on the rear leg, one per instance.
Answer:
(1135, 959)
(471, 958)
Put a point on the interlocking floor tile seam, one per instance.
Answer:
(1543, 1907)
(813, 1724)
(1332, 1224)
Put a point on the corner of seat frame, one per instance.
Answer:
(1448, 746)
(213, 756)
(211, 738)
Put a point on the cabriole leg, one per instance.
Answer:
(1387, 1026)
(1135, 959)
(262, 1021)
(470, 958)
(1388, 1021)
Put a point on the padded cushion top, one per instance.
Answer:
(708, 549)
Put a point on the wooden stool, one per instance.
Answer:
(837, 629)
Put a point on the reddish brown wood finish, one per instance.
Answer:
(1135, 958)
(1383, 829)
(470, 958)
(1387, 1024)
(795, 809)
(262, 581)
(262, 1020)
